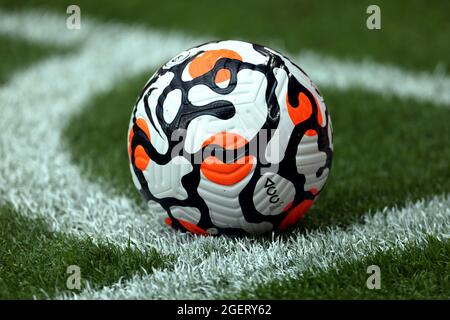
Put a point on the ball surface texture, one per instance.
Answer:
(230, 137)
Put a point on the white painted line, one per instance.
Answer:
(383, 79)
(243, 264)
(41, 27)
(388, 80)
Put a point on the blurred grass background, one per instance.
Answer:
(414, 34)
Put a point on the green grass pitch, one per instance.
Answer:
(388, 151)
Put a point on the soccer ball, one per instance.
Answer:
(230, 137)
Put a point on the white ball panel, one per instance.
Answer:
(136, 182)
(165, 180)
(171, 105)
(159, 140)
(313, 182)
(268, 189)
(189, 214)
(250, 104)
(223, 200)
(330, 133)
(276, 148)
(309, 159)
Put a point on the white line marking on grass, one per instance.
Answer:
(41, 27)
(243, 264)
(389, 80)
(38, 178)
